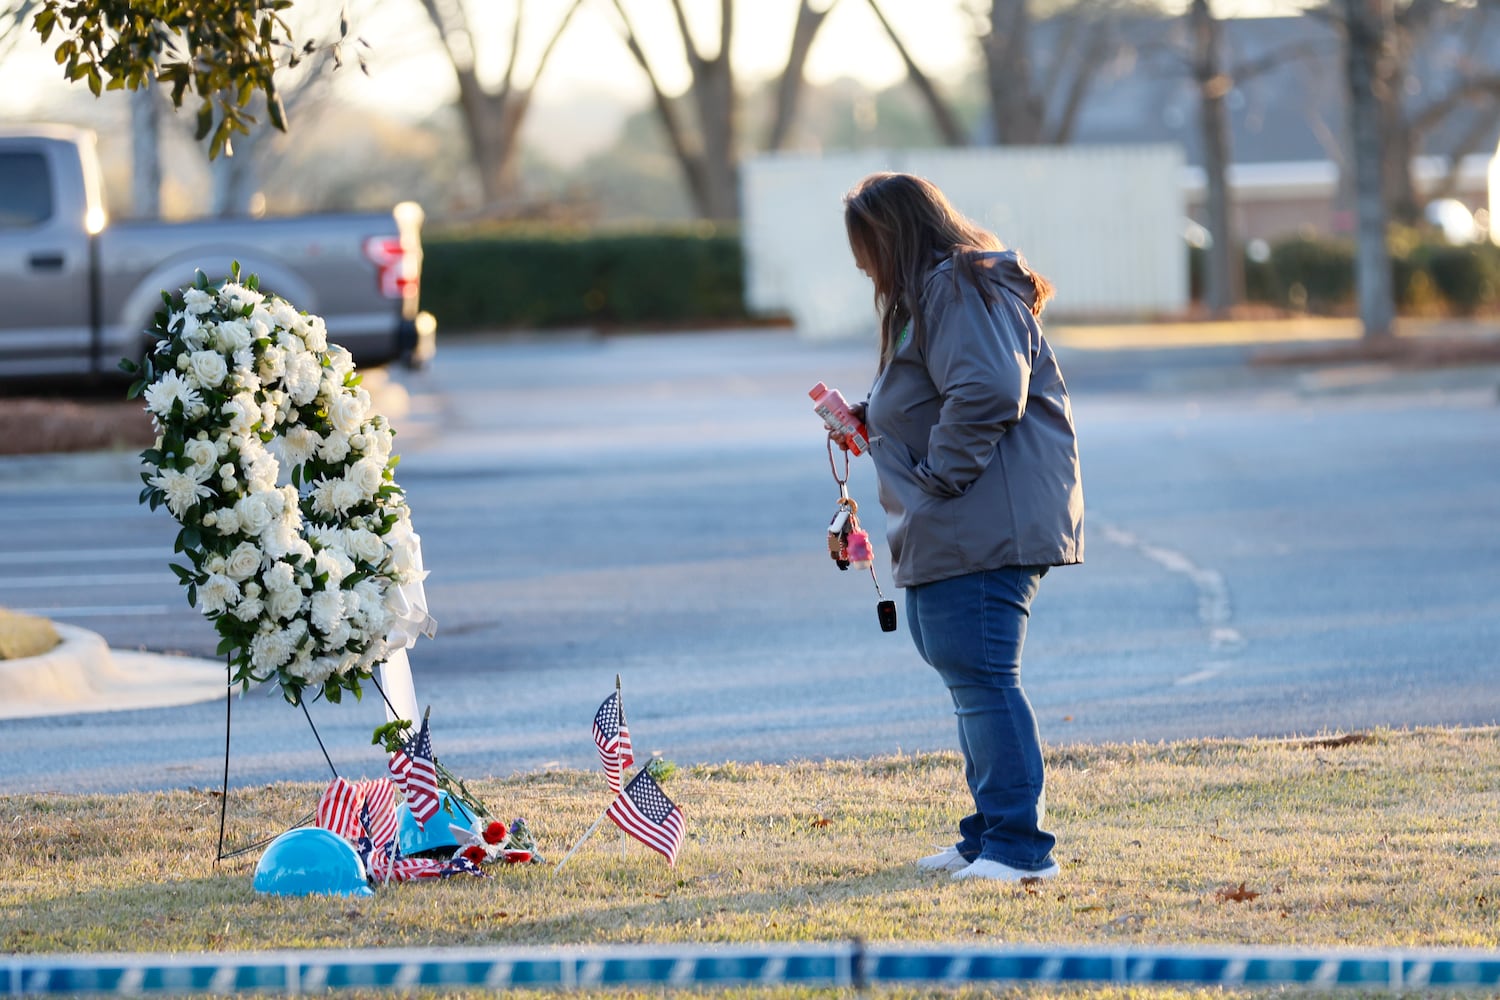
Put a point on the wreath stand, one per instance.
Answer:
(400, 683)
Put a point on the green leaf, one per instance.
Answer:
(192, 595)
(128, 367)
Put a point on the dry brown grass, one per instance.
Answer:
(1382, 841)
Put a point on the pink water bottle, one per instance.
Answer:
(830, 405)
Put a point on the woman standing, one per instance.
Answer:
(971, 433)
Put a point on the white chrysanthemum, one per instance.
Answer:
(322, 497)
(279, 576)
(242, 413)
(272, 363)
(335, 447)
(345, 495)
(270, 650)
(207, 368)
(282, 312)
(249, 609)
(303, 375)
(243, 562)
(333, 562)
(325, 535)
(279, 539)
(172, 388)
(227, 521)
(197, 301)
(181, 490)
(217, 593)
(236, 297)
(338, 637)
(298, 444)
(315, 335)
(327, 610)
(261, 468)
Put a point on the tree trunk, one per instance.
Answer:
(1367, 27)
(145, 153)
(793, 75)
(492, 121)
(1225, 276)
(1016, 110)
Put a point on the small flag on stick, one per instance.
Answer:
(415, 773)
(612, 737)
(644, 811)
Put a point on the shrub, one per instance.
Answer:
(1467, 277)
(534, 278)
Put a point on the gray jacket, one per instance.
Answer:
(971, 433)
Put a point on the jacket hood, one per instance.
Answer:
(1005, 268)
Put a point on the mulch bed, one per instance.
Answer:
(37, 426)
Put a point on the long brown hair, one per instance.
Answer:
(900, 227)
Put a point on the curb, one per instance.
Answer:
(82, 674)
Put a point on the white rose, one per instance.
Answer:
(253, 512)
(365, 546)
(347, 411)
(203, 454)
(283, 604)
(208, 368)
(233, 335)
(243, 562)
(368, 475)
(340, 362)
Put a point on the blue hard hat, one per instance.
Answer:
(435, 836)
(311, 862)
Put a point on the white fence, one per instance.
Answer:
(1104, 223)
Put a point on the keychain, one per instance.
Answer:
(849, 544)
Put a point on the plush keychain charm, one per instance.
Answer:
(849, 544)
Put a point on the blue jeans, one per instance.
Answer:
(971, 629)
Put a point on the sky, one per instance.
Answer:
(410, 75)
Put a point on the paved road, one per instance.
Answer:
(1267, 555)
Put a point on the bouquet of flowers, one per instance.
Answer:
(270, 456)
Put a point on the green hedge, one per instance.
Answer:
(532, 278)
(1317, 275)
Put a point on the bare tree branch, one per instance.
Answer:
(947, 124)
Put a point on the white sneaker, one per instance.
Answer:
(946, 860)
(994, 870)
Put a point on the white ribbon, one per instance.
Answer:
(407, 605)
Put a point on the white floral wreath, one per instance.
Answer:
(271, 457)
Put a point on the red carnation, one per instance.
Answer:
(495, 832)
(516, 857)
(475, 853)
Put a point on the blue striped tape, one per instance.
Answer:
(664, 965)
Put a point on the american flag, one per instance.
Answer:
(338, 809)
(612, 737)
(378, 814)
(415, 773)
(644, 811)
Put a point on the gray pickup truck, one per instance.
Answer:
(77, 293)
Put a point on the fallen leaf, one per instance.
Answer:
(1236, 894)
